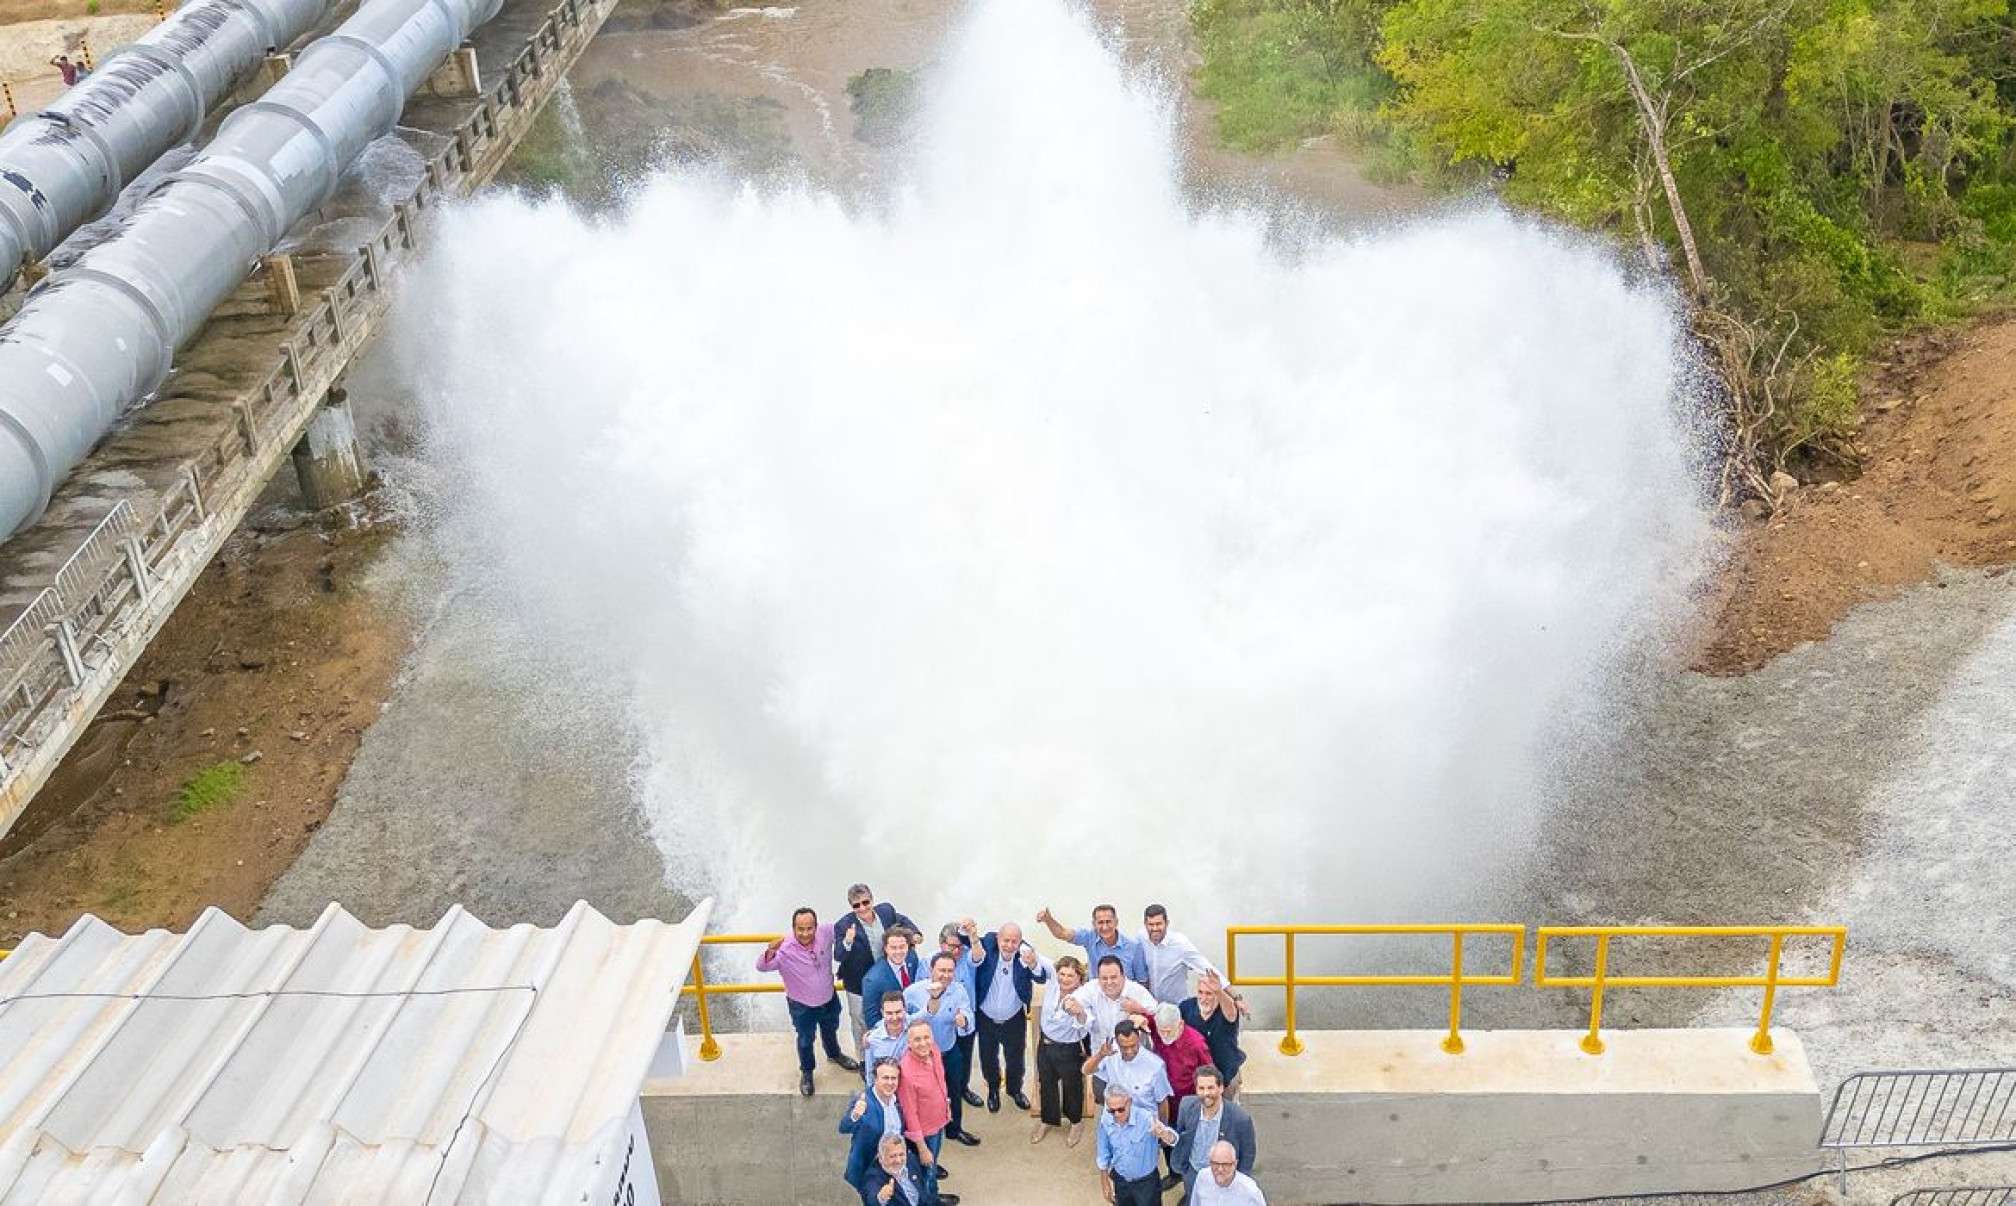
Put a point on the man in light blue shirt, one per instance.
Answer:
(1130, 1143)
(946, 1006)
(891, 1035)
(1103, 939)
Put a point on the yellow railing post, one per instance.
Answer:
(1761, 1043)
(1290, 1045)
(7, 89)
(1454, 1043)
(1593, 1041)
(709, 1049)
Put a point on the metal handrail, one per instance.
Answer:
(1600, 979)
(1922, 1107)
(1456, 979)
(700, 990)
(92, 573)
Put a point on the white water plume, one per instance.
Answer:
(1043, 539)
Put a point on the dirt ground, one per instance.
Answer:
(15, 11)
(276, 663)
(1937, 485)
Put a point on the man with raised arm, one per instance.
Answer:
(1168, 958)
(1103, 939)
(961, 940)
(872, 1116)
(857, 944)
(1008, 971)
(1124, 1062)
(1210, 1014)
(1109, 1000)
(897, 1179)
(805, 963)
(943, 1004)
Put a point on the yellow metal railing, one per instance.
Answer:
(699, 989)
(1600, 980)
(1456, 979)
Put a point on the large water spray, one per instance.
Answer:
(1038, 538)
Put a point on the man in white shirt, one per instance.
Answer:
(1125, 1063)
(1112, 997)
(1225, 1185)
(1168, 959)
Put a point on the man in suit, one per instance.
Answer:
(1206, 1120)
(857, 944)
(1008, 970)
(896, 970)
(896, 1179)
(871, 1117)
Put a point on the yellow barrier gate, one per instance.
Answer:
(1456, 978)
(1601, 980)
(700, 990)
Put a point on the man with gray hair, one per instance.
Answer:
(897, 1180)
(857, 946)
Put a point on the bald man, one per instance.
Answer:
(1006, 973)
(1223, 1184)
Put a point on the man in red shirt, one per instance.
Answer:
(1183, 1051)
(925, 1106)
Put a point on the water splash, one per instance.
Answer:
(1040, 539)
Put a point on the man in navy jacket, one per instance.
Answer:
(896, 1179)
(1009, 968)
(896, 970)
(857, 944)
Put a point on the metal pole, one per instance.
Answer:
(1454, 1043)
(1761, 1042)
(709, 1049)
(1593, 1041)
(1290, 1045)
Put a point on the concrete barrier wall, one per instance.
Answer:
(1381, 1116)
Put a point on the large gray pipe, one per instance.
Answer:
(97, 337)
(65, 165)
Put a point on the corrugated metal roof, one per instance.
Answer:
(333, 1064)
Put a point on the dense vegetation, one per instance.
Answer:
(1814, 173)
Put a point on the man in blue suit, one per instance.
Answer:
(896, 970)
(1007, 973)
(857, 944)
(871, 1117)
(896, 1179)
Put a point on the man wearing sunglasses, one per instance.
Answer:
(857, 944)
(1131, 1140)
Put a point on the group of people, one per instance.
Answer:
(70, 69)
(1146, 1017)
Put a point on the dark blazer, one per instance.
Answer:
(854, 964)
(872, 1183)
(1023, 977)
(881, 978)
(1235, 1126)
(867, 1132)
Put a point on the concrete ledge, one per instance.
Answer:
(1360, 1116)
(1386, 1116)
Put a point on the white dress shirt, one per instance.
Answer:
(1105, 1011)
(998, 1000)
(1170, 963)
(1145, 1077)
(1241, 1192)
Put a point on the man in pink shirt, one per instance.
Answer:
(923, 1102)
(805, 962)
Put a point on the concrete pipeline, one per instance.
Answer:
(64, 166)
(99, 336)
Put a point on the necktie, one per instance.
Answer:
(903, 976)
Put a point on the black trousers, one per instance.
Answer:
(1060, 1081)
(958, 1071)
(1009, 1038)
(1145, 1192)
